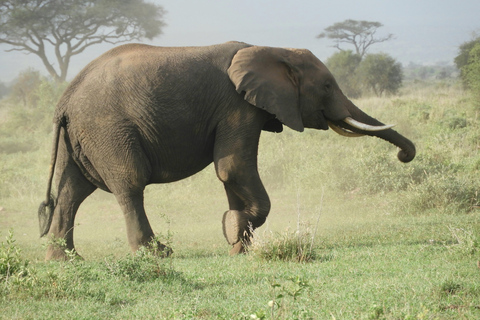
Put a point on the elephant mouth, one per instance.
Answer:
(355, 125)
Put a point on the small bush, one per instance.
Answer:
(143, 266)
(13, 269)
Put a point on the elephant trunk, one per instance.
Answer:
(407, 152)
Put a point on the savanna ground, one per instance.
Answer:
(376, 238)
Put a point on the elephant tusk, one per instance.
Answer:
(366, 127)
(341, 131)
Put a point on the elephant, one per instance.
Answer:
(142, 114)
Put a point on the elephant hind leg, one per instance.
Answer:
(125, 170)
(139, 231)
(73, 188)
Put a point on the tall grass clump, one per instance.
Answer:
(465, 240)
(294, 246)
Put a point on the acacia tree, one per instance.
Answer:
(361, 34)
(67, 27)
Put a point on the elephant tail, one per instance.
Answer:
(45, 211)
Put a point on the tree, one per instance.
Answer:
(380, 73)
(3, 89)
(343, 66)
(463, 57)
(67, 27)
(471, 72)
(25, 87)
(359, 33)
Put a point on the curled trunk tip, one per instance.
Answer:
(406, 156)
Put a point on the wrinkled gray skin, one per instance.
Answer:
(141, 114)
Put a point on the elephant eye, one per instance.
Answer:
(328, 87)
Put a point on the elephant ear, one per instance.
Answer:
(269, 78)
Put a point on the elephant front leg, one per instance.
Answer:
(249, 207)
(235, 159)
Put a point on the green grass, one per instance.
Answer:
(390, 240)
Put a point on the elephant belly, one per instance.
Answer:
(180, 161)
(165, 172)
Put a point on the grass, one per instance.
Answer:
(403, 280)
(390, 240)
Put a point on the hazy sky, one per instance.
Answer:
(426, 31)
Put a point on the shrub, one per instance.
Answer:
(144, 265)
(380, 73)
(13, 269)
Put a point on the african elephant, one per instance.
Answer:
(142, 114)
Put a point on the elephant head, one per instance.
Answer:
(300, 91)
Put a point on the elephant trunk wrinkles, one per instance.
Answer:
(407, 152)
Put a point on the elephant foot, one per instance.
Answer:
(162, 250)
(159, 249)
(235, 226)
(60, 254)
(238, 248)
(237, 230)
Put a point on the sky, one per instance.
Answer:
(426, 31)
